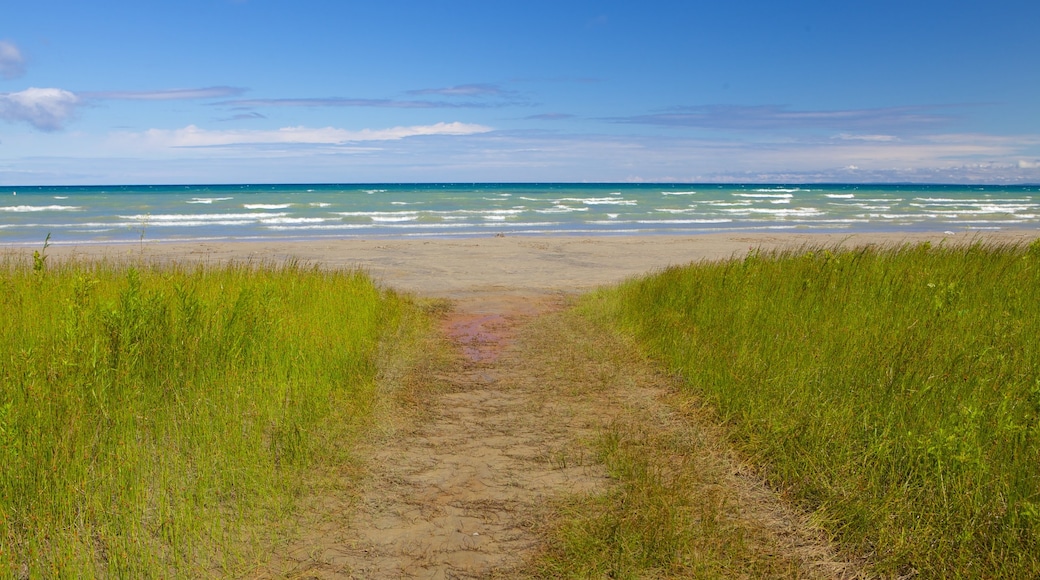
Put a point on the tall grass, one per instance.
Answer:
(894, 392)
(158, 421)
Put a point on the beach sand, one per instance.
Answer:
(455, 268)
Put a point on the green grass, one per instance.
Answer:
(161, 421)
(895, 393)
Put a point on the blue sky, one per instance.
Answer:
(261, 91)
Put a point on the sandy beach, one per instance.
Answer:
(455, 268)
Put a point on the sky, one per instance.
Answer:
(351, 91)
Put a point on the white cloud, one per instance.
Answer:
(1023, 164)
(192, 136)
(12, 63)
(45, 109)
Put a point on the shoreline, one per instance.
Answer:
(521, 265)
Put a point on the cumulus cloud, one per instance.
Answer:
(193, 136)
(45, 109)
(12, 63)
(168, 94)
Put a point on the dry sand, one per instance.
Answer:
(453, 268)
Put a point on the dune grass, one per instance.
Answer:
(894, 393)
(161, 421)
(674, 508)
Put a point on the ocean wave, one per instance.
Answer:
(35, 208)
(370, 214)
(208, 200)
(765, 195)
(721, 203)
(561, 209)
(903, 216)
(598, 201)
(703, 221)
(190, 223)
(678, 193)
(673, 210)
(796, 212)
(983, 208)
(267, 205)
(180, 218)
(293, 220)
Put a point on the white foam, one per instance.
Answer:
(765, 195)
(678, 193)
(796, 212)
(598, 201)
(291, 220)
(35, 208)
(673, 210)
(561, 209)
(184, 219)
(266, 205)
(208, 200)
(840, 195)
(903, 216)
(704, 221)
(714, 203)
(189, 223)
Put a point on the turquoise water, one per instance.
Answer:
(99, 214)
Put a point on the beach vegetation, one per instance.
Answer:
(162, 420)
(893, 394)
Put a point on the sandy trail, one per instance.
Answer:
(466, 490)
(459, 495)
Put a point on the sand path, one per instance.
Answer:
(465, 487)
(459, 494)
